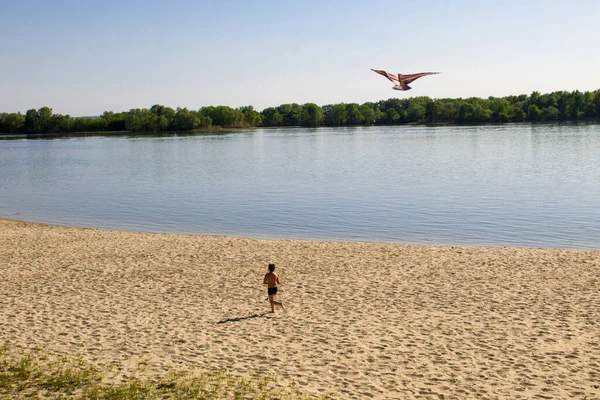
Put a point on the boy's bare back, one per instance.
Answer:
(271, 279)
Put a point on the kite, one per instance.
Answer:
(401, 81)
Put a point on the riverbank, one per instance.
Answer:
(219, 130)
(364, 320)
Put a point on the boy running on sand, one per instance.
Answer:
(272, 281)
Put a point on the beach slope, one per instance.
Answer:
(363, 320)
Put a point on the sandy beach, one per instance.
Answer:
(363, 320)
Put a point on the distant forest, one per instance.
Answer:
(556, 106)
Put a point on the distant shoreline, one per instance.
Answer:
(220, 130)
(536, 107)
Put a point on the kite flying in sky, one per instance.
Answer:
(401, 81)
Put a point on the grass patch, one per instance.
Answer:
(36, 375)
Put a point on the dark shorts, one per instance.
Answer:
(272, 290)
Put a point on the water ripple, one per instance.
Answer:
(507, 185)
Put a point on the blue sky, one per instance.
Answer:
(84, 57)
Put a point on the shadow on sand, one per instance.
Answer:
(242, 318)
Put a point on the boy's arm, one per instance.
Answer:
(265, 280)
(278, 282)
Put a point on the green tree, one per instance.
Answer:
(45, 119)
(291, 114)
(224, 115)
(95, 124)
(588, 105)
(61, 123)
(474, 110)
(432, 111)
(392, 116)
(394, 110)
(117, 122)
(447, 110)
(465, 112)
(83, 124)
(535, 99)
(368, 113)
(312, 115)
(251, 116)
(149, 121)
(335, 115)
(500, 109)
(518, 115)
(186, 120)
(164, 118)
(12, 123)
(417, 106)
(32, 121)
(577, 107)
(353, 114)
(134, 121)
(550, 114)
(271, 117)
(564, 105)
(534, 113)
(596, 103)
(550, 106)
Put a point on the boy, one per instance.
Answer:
(272, 280)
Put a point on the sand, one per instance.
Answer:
(363, 320)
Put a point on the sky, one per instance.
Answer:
(82, 57)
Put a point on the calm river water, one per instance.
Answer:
(508, 185)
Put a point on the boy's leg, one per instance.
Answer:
(279, 303)
(272, 302)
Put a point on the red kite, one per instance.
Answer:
(401, 81)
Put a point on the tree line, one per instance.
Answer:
(555, 106)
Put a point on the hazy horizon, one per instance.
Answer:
(84, 59)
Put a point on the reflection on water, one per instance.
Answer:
(505, 185)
